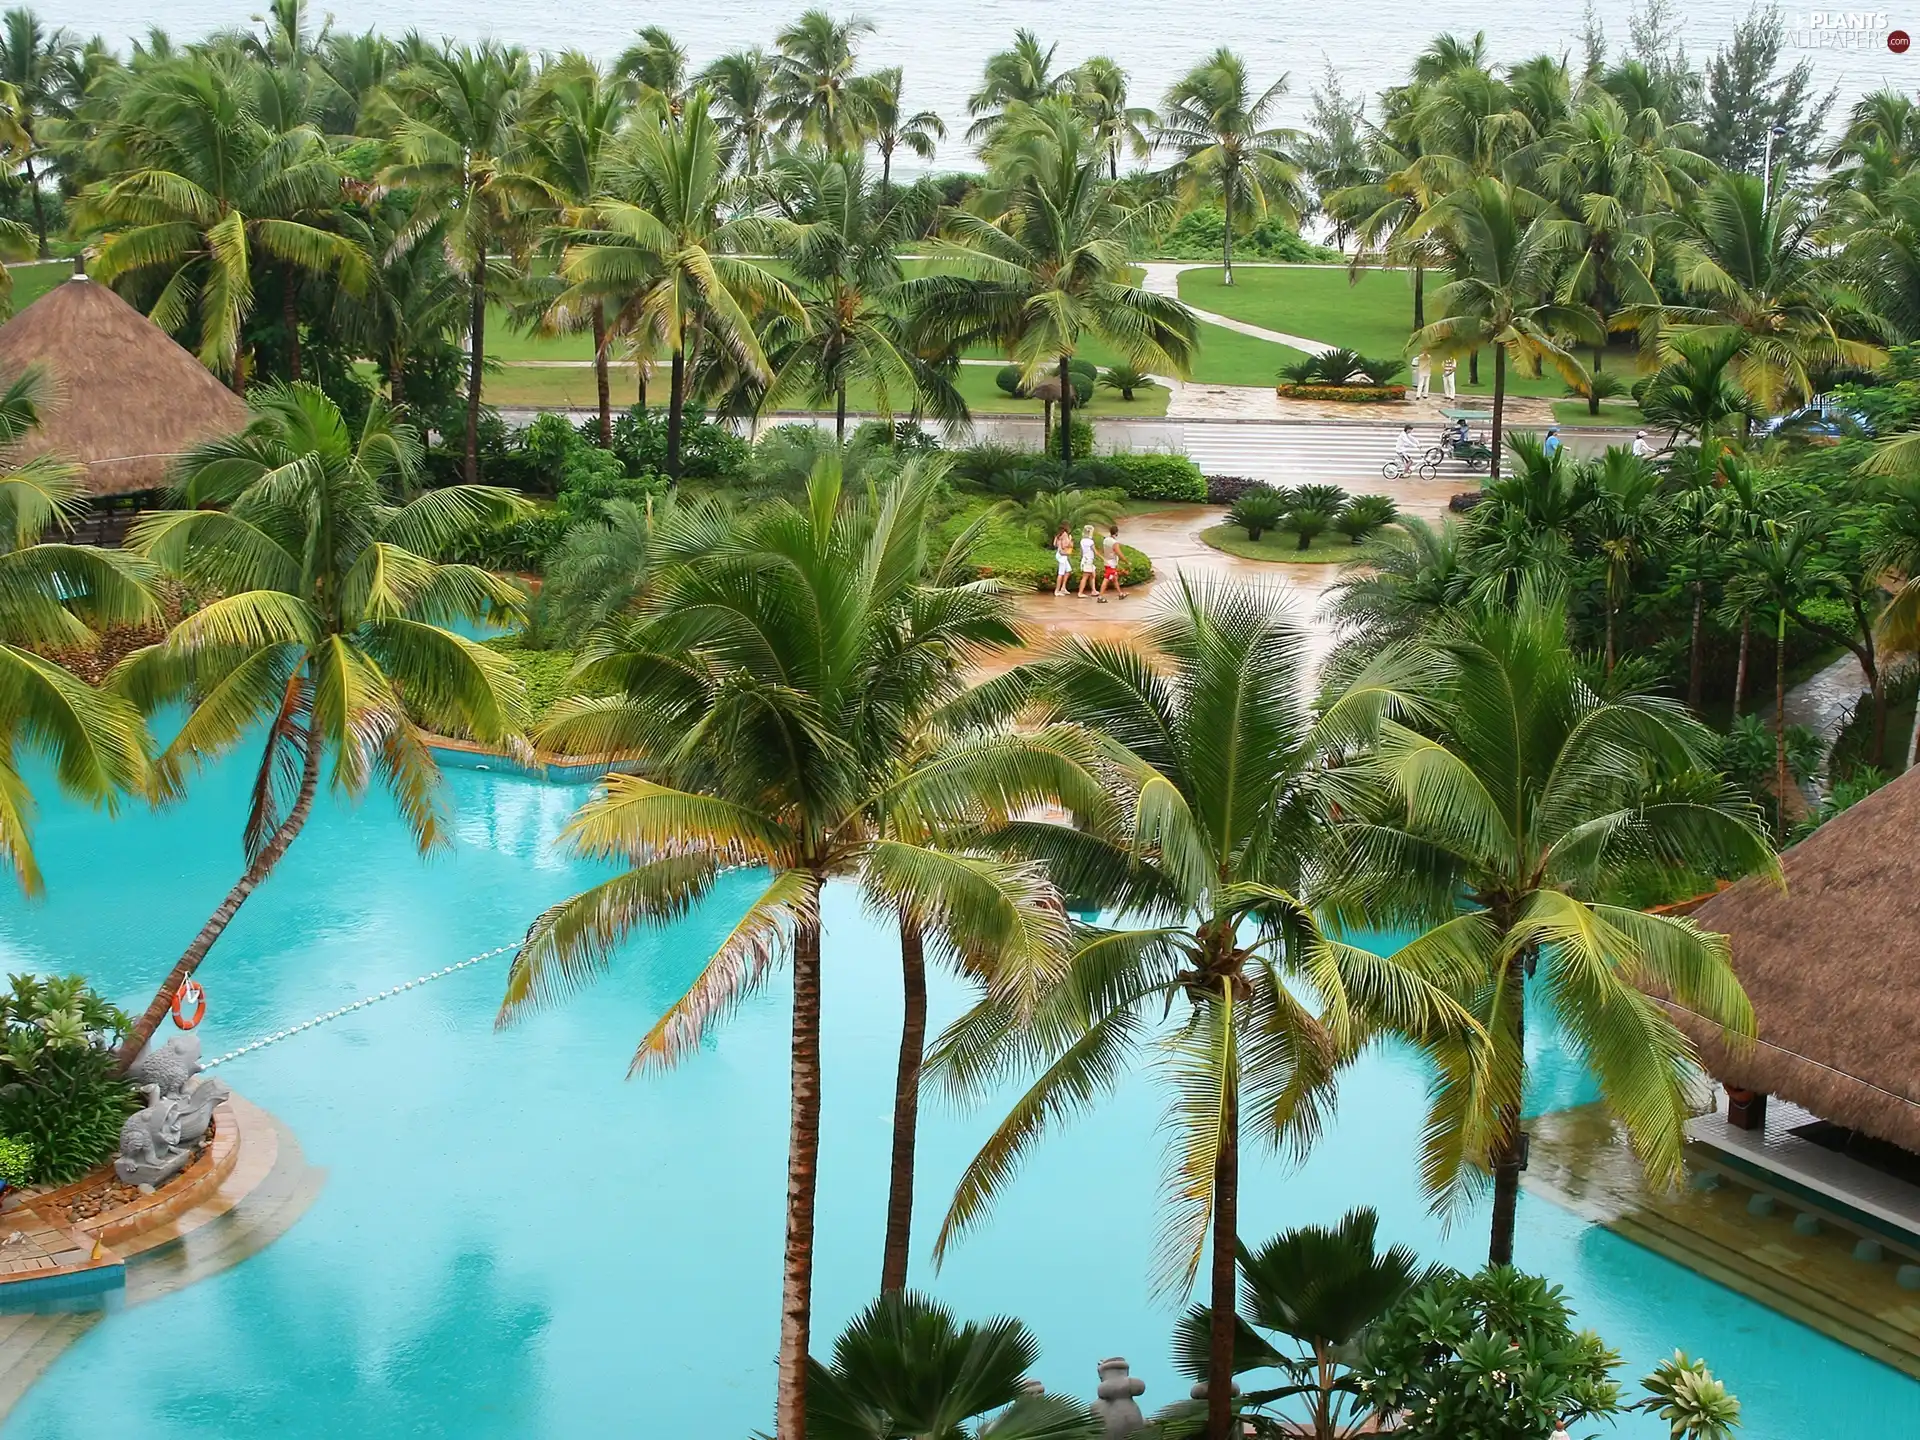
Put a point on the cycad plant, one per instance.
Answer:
(55, 596)
(780, 690)
(330, 629)
(1211, 829)
(1500, 813)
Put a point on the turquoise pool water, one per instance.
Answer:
(515, 1241)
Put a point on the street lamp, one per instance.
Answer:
(1775, 132)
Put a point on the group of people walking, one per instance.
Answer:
(1110, 567)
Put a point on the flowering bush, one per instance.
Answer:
(1350, 394)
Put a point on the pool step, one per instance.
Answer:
(1815, 1308)
(30, 1343)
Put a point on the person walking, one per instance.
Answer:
(1088, 582)
(1550, 446)
(1422, 375)
(1110, 574)
(1062, 560)
(1447, 373)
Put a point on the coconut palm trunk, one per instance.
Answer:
(803, 1171)
(1780, 714)
(840, 414)
(1066, 415)
(289, 726)
(601, 382)
(1224, 1257)
(1419, 297)
(1740, 666)
(1694, 634)
(39, 204)
(906, 1106)
(1510, 1142)
(290, 317)
(676, 402)
(477, 347)
(1499, 403)
(1226, 239)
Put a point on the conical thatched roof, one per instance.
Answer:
(1833, 967)
(125, 399)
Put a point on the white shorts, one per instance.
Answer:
(1066, 565)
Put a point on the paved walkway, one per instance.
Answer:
(1822, 701)
(1163, 278)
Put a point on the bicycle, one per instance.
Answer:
(1400, 466)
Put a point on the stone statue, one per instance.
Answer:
(1117, 1408)
(157, 1141)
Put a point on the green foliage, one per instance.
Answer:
(1125, 379)
(1258, 511)
(1345, 394)
(708, 451)
(1198, 234)
(546, 674)
(1080, 436)
(1492, 1356)
(1684, 1393)
(58, 1089)
(1363, 515)
(1007, 378)
(1154, 477)
(1307, 524)
(16, 1160)
(1052, 511)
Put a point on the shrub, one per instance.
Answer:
(707, 451)
(1345, 394)
(1330, 499)
(1080, 437)
(1055, 510)
(1304, 371)
(16, 1160)
(1157, 477)
(1008, 555)
(1007, 377)
(979, 464)
(1258, 511)
(1308, 525)
(1225, 489)
(1198, 235)
(1125, 379)
(1365, 514)
(1382, 371)
(1492, 1356)
(61, 1094)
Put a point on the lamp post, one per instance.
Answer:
(1774, 132)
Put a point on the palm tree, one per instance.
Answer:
(658, 66)
(1384, 211)
(1227, 143)
(1389, 593)
(39, 65)
(1022, 75)
(742, 86)
(1750, 264)
(53, 597)
(903, 1367)
(1513, 786)
(1100, 92)
(817, 98)
(460, 144)
(607, 566)
(891, 127)
(1503, 265)
(1693, 392)
(1630, 519)
(664, 252)
(771, 688)
(1778, 570)
(1322, 1288)
(1212, 828)
(844, 252)
(413, 302)
(574, 118)
(206, 183)
(330, 629)
(1052, 266)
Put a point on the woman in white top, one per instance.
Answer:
(1086, 561)
(1063, 560)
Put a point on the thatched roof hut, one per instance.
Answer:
(125, 399)
(1833, 967)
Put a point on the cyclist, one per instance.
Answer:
(1409, 449)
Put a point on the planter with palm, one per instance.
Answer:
(330, 629)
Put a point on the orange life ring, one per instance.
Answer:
(189, 1004)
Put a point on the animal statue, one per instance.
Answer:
(150, 1149)
(170, 1066)
(203, 1092)
(1117, 1406)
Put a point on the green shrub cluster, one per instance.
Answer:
(59, 1090)
(1201, 233)
(1346, 394)
(1151, 476)
(1341, 366)
(1081, 372)
(16, 1160)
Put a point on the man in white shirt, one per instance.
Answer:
(1642, 447)
(1409, 448)
(1422, 375)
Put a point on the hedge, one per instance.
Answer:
(1010, 556)
(1154, 477)
(1348, 394)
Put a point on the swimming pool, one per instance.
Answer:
(515, 1241)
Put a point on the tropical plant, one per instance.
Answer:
(1777, 572)
(1503, 263)
(1512, 787)
(903, 1367)
(741, 82)
(1022, 75)
(1405, 578)
(1324, 1289)
(1052, 268)
(59, 1094)
(39, 64)
(665, 255)
(1211, 828)
(891, 126)
(657, 64)
(1308, 523)
(1228, 145)
(460, 144)
(1051, 511)
(1259, 511)
(1694, 393)
(1493, 1355)
(1684, 1393)
(1363, 515)
(16, 1161)
(330, 630)
(817, 98)
(1125, 379)
(1100, 92)
(54, 597)
(606, 566)
(1629, 520)
(204, 184)
(777, 689)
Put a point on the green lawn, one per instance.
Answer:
(1281, 546)
(30, 282)
(1372, 314)
(533, 387)
(1612, 412)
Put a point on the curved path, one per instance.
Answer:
(1163, 278)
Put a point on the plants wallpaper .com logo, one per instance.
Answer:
(1846, 30)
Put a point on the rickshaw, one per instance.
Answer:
(1472, 452)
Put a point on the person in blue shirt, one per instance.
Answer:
(1550, 446)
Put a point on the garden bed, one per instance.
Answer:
(1281, 547)
(1344, 394)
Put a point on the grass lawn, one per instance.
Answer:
(30, 282)
(1612, 412)
(530, 387)
(1373, 314)
(1281, 546)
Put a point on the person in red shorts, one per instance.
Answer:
(1110, 572)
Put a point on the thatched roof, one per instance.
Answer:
(1833, 967)
(125, 399)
